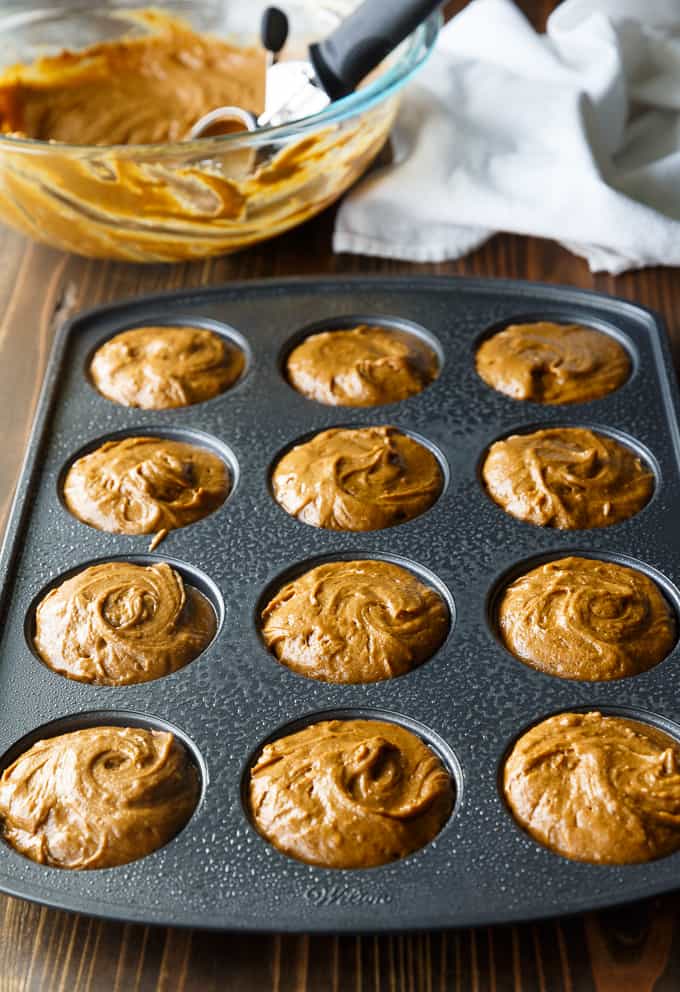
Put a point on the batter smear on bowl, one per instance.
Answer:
(137, 90)
(145, 485)
(567, 478)
(121, 624)
(364, 478)
(553, 363)
(596, 788)
(95, 154)
(98, 797)
(585, 619)
(349, 793)
(354, 621)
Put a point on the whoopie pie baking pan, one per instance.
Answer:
(469, 702)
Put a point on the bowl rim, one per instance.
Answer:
(418, 47)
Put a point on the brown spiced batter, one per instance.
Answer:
(354, 621)
(567, 477)
(585, 619)
(137, 90)
(553, 363)
(145, 485)
(358, 479)
(118, 201)
(158, 368)
(98, 797)
(597, 788)
(362, 366)
(349, 793)
(120, 624)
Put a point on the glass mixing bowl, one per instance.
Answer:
(191, 199)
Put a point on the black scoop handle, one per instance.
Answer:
(273, 30)
(363, 40)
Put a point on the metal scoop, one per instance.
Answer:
(336, 66)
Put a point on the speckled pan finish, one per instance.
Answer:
(470, 701)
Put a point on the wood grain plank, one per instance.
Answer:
(630, 947)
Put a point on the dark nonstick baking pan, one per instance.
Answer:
(470, 701)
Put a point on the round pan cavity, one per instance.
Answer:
(111, 718)
(310, 435)
(348, 321)
(437, 744)
(191, 576)
(399, 326)
(637, 714)
(295, 571)
(494, 597)
(162, 319)
(559, 316)
(188, 435)
(640, 450)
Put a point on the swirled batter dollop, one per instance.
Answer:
(119, 624)
(363, 478)
(145, 485)
(159, 368)
(135, 90)
(566, 477)
(553, 363)
(349, 793)
(597, 788)
(354, 621)
(98, 797)
(585, 619)
(361, 366)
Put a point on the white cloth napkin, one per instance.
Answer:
(572, 135)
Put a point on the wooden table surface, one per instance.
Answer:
(626, 949)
